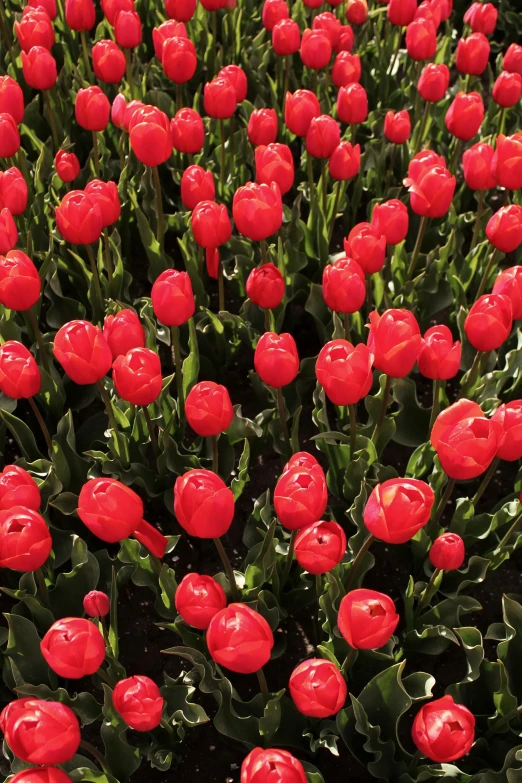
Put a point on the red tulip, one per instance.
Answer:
(477, 162)
(19, 373)
(402, 12)
(432, 192)
(92, 109)
(507, 161)
(352, 104)
(150, 136)
(25, 540)
(397, 127)
(423, 161)
(473, 54)
(434, 81)
(395, 341)
(265, 286)
(261, 765)
(464, 116)
(173, 298)
(262, 127)
(344, 372)
(391, 219)
(276, 359)
(198, 599)
(208, 409)
(300, 497)
(257, 210)
(346, 39)
(73, 647)
(137, 376)
(509, 283)
(366, 247)
(300, 109)
(197, 185)
(439, 357)
(443, 731)
(8, 231)
(240, 639)
(275, 163)
(41, 775)
(20, 283)
(320, 546)
(111, 8)
(430, 11)
(80, 15)
(482, 18)
(447, 552)
(13, 191)
(179, 59)
(127, 29)
(323, 136)
(83, 352)
(67, 165)
(489, 322)
(317, 688)
(357, 11)
(316, 49)
(181, 10)
(97, 604)
(512, 61)
(34, 29)
(509, 416)
(507, 89)
(344, 286)
(79, 218)
(203, 504)
(188, 132)
(11, 99)
(42, 732)
(367, 619)
(301, 459)
(397, 509)
(345, 161)
(211, 224)
(161, 34)
(219, 98)
(421, 39)
(39, 68)
(106, 194)
(108, 62)
(139, 702)
(47, 5)
(504, 228)
(18, 488)
(286, 38)
(238, 78)
(9, 136)
(273, 12)
(123, 332)
(346, 69)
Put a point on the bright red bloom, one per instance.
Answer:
(257, 210)
(80, 15)
(211, 225)
(323, 136)
(20, 283)
(188, 131)
(73, 647)
(19, 373)
(357, 11)
(489, 322)
(464, 116)
(196, 185)
(507, 89)
(261, 765)
(397, 126)
(18, 488)
(344, 372)
(265, 286)
(92, 109)
(316, 49)
(97, 604)
(391, 219)
(181, 10)
(11, 99)
(346, 69)
(320, 546)
(106, 194)
(434, 82)
(397, 509)
(509, 416)
(83, 352)
(39, 67)
(301, 459)
(238, 78)
(443, 731)
(262, 127)
(330, 24)
(173, 298)
(161, 34)
(208, 409)
(447, 552)
(203, 504)
(179, 59)
(123, 331)
(345, 161)
(198, 598)
(219, 98)
(317, 688)
(402, 12)
(395, 341)
(504, 228)
(127, 29)
(512, 61)
(507, 161)
(421, 39)
(111, 8)
(430, 11)
(439, 356)
(300, 109)
(276, 359)
(473, 54)
(344, 286)
(150, 135)
(79, 218)
(300, 497)
(274, 11)
(139, 702)
(67, 165)
(477, 162)
(240, 639)
(482, 18)
(366, 247)
(137, 376)
(9, 136)
(431, 193)
(346, 39)
(8, 231)
(41, 775)
(367, 619)
(34, 29)
(509, 283)
(13, 191)
(286, 37)
(108, 62)
(275, 163)
(422, 161)
(352, 104)
(41, 732)
(25, 540)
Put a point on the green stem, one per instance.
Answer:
(263, 686)
(228, 570)
(43, 426)
(221, 287)
(179, 376)
(222, 168)
(318, 593)
(288, 61)
(96, 278)
(455, 156)
(352, 574)
(95, 754)
(493, 259)
(159, 206)
(264, 252)
(384, 408)
(150, 427)
(427, 594)
(128, 70)
(347, 327)
(282, 418)
(215, 454)
(501, 121)
(42, 587)
(485, 481)
(108, 405)
(442, 505)
(508, 535)
(416, 249)
(311, 187)
(39, 339)
(22, 163)
(323, 183)
(95, 154)
(437, 385)
(348, 661)
(108, 260)
(52, 119)
(353, 430)
(472, 374)
(85, 52)
(338, 190)
(478, 219)
(422, 128)
(397, 51)
(289, 558)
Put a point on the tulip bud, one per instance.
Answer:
(265, 286)
(275, 163)
(431, 193)
(106, 194)
(198, 599)
(391, 219)
(402, 12)
(188, 132)
(477, 162)
(139, 702)
(108, 62)
(137, 376)
(507, 161)
(208, 409)
(317, 688)
(366, 247)
(197, 185)
(367, 619)
(300, 497)
(357, 11)
(80, 15)
(316, 49)
(39, 68)
(260, 766)
(211, 225)
(464, 116)
(34, 29)
(397, 509)
(489, 322)
(276, 359)
(240, 639)
(323, 136)
(473, 54)
(92, 109)
(447, 552)
(203, 504)
(83, 352)
(150, 135)
(274, 11)
(346, 39)
(286, 38)
(397, 127)
(395, 341)
(97, 604)
(345, 161)
(329, 24)
(443, 731)
(123, 332)
(67, 165)
(181, 10)
(439, 357)
(352, 104)
(509, 416)
(509, 283)
(504, 228)
(73, 647)
(429, 11)
(346, 69)
(127, 29)
(421, 39)
(25, 540)
(257, 210)
(179, 59)
(9, 136)
(161, 34)
(18, 488)
(41, 732)
(320, 546)
(19, 373)
(344, 286)
(111, 8)
(512, 61)
(434, 82)
(20, 283)
(344, 372)
(219, 98)
(79, 218)
(8, 231)
(482, 18)
(300, 109)
(262, 127)
(41, 775)
(238, 79)
(11, 99)
(507, 89)
(173, 298)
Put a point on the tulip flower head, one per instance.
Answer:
(447, 552)
(276, 360)
(73, 647)
(367, 619)
(97, 604)
(139, 702)
(397, 509)
(320, 546)
(25, 540)
(198, 599)
(208, 409)
(394, 341)
(300, 497)
(240, 639)
(444, 731)
(489, 322)
(344, 371)
(509, 283)
(41, 732)
(203, 504)
(260, 765)
(18, 488)
(439, 357)
(317, 688)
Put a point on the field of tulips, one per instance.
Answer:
(261, 391)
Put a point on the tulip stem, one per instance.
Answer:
(95, 153)
(108, 407)
(503, 720)
(264, 252)
(485, 481)
(472, 374)
(427, 594)
(442, 505)
(39, 339)
(222, 165)
(215, 454)
(263, 686)
(357, 561)
(150, 427)
(318, 593)
(282, 418)
(179, 97)
(418, 245)
(289, 558)
(42, 587)
(85, 52)
(128, 70)
(348, 661)
(43, 426)
(501, 121)
(96, 278)
(179, 376)
(20, 158)
(159, 206)
(397, 52)
(228, 570)
(455, 156)
(493, 259)
(437, 385)
(323, 183)
(338, 190)
(508, 535)
(51, 118)
(422, 129)
(353, 430)
(311, 187)
(221, 287)
(384, 408)
(95, 754)
(347, 327)
(288, 60)
(108, 260)
(478, 219)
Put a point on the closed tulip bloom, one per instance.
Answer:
(150, 136)
(111, 8)
(323, 136)
(366, 247)
(257, 210)
(300, 109)
(421, 39)
(473, 54)
(181, 10)
(137, 376)
(92, 109)
(466, 448)
(12, 711)
(188, 132)
(20, 283)
(97, 604)
(80, 15)
(509, 416)
(300, 497)
(73, 647)
(41, 775)
(301, 459)
(106, 194)
(346, 69)
(397, 126)
(9, 136)
(213, 5)
(507, 89)
(123, 332)
(260, 766)
(274, 11)
(198, 598)
(509, 283)
(330, 24)
(345, 161)
(139, 702)
(219, 98)
(67, 165)
(402, 12)
(19, 373)
(203, 504)
(443, 731)
(8, 231)
(130, 109)
(179, 59)
(464, 116)
(265, 286)
(346, 39)
(262, 127)
(344, 372)
(317, 688)
(432, 192)
(395, 341)
(276, 359)
(478, 171)
(504, 228)
(316, 49)
(286, 37)
(507, 161)
(83, 352)
(18, 488)
(240, 639)
(482, 18)
(489, 322)
(173, 298)
(42, 732)
(320, 546)
(312, 3)
(11, 99)
(512, 61)
(446, 7)
(352, 104)
(13, 191)
(434, 82)
(161, 34)
(430, 11)
(34, 29)
(118, 109)
(79, 218)
(127, 29)
(391, 219)
(453, 415)
(211, 224)
(196, 185)
(39, 68)
(357, 11)
(108, 62)
(238, 78)
(274, 163)
(447, 552)
(344, 286)
(367, 619)
(25, 540)
(439, 357)
(208, 409)
(422, 161)
(109, 509)
(397, 509)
